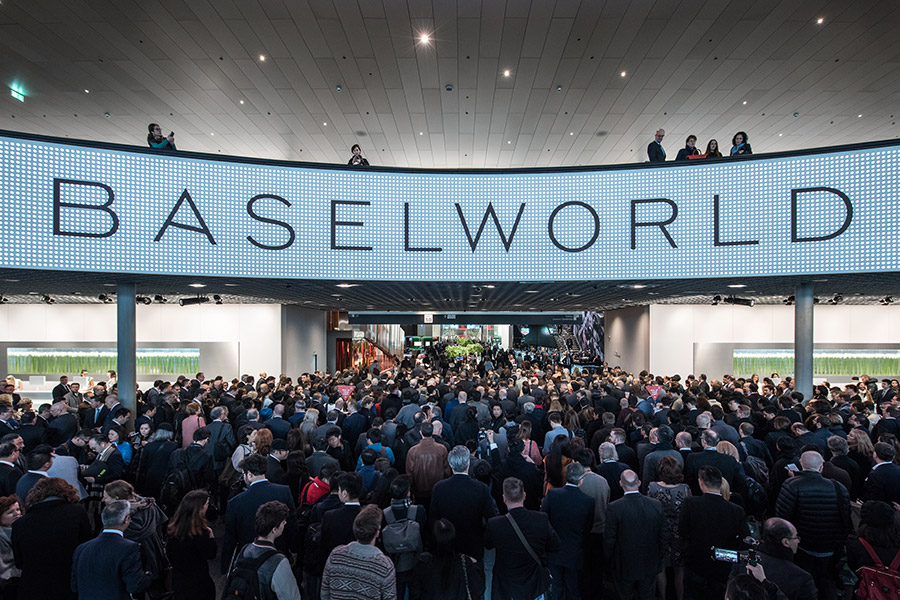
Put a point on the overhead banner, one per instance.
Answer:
(97, 207)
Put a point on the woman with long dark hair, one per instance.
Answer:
(9, 574)
(555, 463)
(446, 574)
(190, 547)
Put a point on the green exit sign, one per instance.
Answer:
(17, 95)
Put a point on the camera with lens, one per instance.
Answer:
(750, 556)
(482, 434)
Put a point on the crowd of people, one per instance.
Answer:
(740, 144)
(507, 476)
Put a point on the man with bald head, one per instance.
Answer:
(820, 509)
(655, 150)
(634, 528)
(776, 554)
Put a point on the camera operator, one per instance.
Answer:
(357, 160)
(776, 555)
(156, 140)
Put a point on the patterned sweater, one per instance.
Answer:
(358, 572)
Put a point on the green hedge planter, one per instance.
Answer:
(825, 362)
(150, 361)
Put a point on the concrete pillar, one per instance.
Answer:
(803, 340)
(126, 346)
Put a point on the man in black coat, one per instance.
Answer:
(337, 524)
(571, 513)
(709, 457)
(9, 472)
(706, 521)
(465, 502)
(59, 392)
(634, 528)
(109, 566)
(883, 482)
(655, 150)
(96, 415)
(277, 424)
(776, 555)
(276, 471)
(31, 434)
(240, 513)
(516, 573)
(63, 425)
(517, 466)
(6, 413)
(195, 459)
(109, 464)
(611, 469)
(626, 454)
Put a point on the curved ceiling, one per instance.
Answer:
(589, 81)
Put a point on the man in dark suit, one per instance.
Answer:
(96, 415)
(655, 150)
(726, 465)
(31, 434)
(337, 524)
(750, 446)
(109, 464)
(9, 472)
(277, 425)
(706, 521)
(626, 454)
(883, 482)
(571, 513)
(516, 573)
(59, 392)
(109, 566)
(276, 471)
(465, 502)
(63, 425)
(611, 469)
(241, 510)
(39, 462)
(112, 403)
(889, 423)
(634, 528)
(6, 413)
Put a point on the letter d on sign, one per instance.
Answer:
(821, 238)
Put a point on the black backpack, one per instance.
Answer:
(178, 482)
(243, 579)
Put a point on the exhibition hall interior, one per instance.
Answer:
(551, 192)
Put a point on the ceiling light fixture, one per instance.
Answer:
(87, 91)
(325, 124)
(506, 73)
(193, 301)
(347, 285)
(820, 20)
(197, 285)
(143, 300)
(424, 38)
(47, 299)
(737, 285)
(739, 301)
(262, 58)
(745, 102)
(160, 299)
(623, 73)
(242, 101)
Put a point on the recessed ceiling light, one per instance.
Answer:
(737, 285)
(86, 91)
(347, 285)
(531, 291)
(780, 134)
(420, 133)
(197, 285)
(508, 141)
(745, 102)
(424, 38)
(623, 73)
(211, 133)
(571, 133)
(262, 58)
(242, 101)
(859, 116)
(12, 280)
(638, 286)
(506, 73)
(232, 285)
(490, 287)
(820, 20)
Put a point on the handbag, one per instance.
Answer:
(462, 558)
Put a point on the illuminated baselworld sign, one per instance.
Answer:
(95, 207)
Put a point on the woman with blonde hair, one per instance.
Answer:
(191, 423)
(861, 450)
